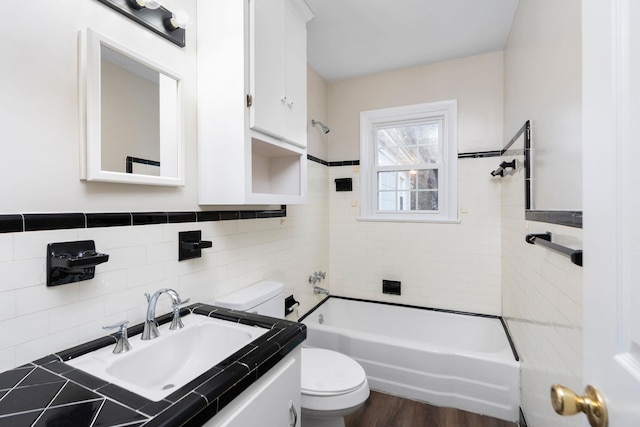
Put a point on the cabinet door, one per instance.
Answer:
(296, 76)
(272, 402)
(267, 64)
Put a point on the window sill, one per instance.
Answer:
(402, 220)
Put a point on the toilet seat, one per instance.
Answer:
(329, 373)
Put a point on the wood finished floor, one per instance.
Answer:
(383, 410)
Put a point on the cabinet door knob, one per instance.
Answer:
(293, 414)
(283, 99)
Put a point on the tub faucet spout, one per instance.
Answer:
(318, 290)
(150, 326)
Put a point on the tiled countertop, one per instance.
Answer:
(50, 393)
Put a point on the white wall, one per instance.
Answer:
(40, 112)
(40, 171)
(542, 290)
(449, 266)
(543, 84)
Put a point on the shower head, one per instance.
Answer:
(322, 126)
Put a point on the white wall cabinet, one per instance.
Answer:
(252, 103)
(272, 401)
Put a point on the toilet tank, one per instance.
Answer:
(265, 298)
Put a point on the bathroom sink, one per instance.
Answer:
(156, 368)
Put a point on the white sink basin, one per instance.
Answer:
(156, 368)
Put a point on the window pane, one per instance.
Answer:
(427, 179)
(415, 190)
(428, 200)
(407, 145)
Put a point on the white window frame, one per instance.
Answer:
(447, 113)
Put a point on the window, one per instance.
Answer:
(408, 159)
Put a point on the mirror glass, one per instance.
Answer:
(132, 117)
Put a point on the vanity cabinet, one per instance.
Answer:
(272, 401)
(252, 103)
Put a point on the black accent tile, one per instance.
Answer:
(40, 376)
(55, 221)
(24, 419)
(317, 160)
(58, 367)
(248, 214)
(180, 412)
(566, 218)
(23, 399)
(73, 415)
(112, 414)
(219, 384)
(116, 219)
(154, 408)
(194, 383)
(85, 379)
(480, 154)
(123, 396)
(72, 393)
(86, 347)
(238, 387)
(229, 215)
(46, 360)
(10, 378)
(259, 355)
(345, 163)
(149, 218)
(178, 217)
(204, 216)
(11, 223)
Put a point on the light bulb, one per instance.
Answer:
(179, 19)
(152, 4)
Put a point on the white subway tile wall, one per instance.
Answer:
(542, 304)
(448, 266)
(37, 320)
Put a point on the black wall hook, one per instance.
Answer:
(190, 246)
(502, 167)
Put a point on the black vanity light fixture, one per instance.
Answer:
(151, 14)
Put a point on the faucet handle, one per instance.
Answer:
(176, 321)
(122, 338)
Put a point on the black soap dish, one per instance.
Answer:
(69, 262)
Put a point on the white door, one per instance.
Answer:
(611, 171)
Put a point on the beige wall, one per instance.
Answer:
(476, 82)
(449, 266)
(542, 290)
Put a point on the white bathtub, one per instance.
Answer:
(445, 359)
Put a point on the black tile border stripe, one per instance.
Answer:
(17, 223)
(471, 155)
(567, 218)
(441, 310)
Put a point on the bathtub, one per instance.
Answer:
(446, 359)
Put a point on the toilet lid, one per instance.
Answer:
(327, 372)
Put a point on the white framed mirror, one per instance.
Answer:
(131, 115)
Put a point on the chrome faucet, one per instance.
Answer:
(150, 325)
(318, 290)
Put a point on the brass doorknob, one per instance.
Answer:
(568, 402)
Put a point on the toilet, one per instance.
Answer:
(333, 385)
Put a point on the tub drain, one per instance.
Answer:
(168, 386)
